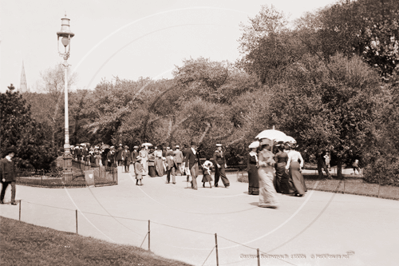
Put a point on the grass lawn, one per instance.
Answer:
(26, 244)
(350, 185)
(353, 186)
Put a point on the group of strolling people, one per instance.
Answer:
(268, 173)
(150, 160)
(158, 161)
(271, 173)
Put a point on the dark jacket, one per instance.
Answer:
(191, 158)
(126, 156)
(218, 158)
(134, 155)
(7, 170)
(111, 157)
(119, 154)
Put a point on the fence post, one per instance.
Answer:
(216, 248)
(76, 215)
(258, 256)
(20, 210)
(149, 232)
(379, 186)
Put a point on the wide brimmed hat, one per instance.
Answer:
(10, 150)
(266, 142)
(219, 145)
(177, 146)
(254, 145)
(135, 147)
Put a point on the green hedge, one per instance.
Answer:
(384, 171)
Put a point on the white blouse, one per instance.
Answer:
(294, 156)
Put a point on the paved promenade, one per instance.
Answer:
(319, 229)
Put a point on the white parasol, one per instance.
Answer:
(146, 144)
(289, 139)
(271, 134)
(254, 145)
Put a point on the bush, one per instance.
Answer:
(384, 171)
(56, 172)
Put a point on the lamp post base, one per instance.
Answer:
(68, 175)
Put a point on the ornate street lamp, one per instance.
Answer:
(65, 35)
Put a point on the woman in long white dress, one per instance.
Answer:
(294, 165)
(267, 192)
(158, 161)
(144, 158)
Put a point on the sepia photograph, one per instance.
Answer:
(199, 132)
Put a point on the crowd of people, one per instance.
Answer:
(150, 160)
(271, 173)
(268, 173)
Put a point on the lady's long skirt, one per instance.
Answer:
(159, 166)
(284, 180)
(267, 192)
(253, 180)
(297, 178)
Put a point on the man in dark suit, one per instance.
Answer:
(220, 164)
(8, 175)
(192, 164)
(119, 155)
(111, 157)
(79, 150)
(134, 155)
(126, 157)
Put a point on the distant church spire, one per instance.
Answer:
(23, 86)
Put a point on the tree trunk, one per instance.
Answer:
(320, 165)
(208, 126)
(169, 131)
(339, 168)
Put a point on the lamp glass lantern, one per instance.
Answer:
(65, 34)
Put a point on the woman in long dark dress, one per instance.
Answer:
(294, 164)
(253, 178)
(282, 182)
(151, 164)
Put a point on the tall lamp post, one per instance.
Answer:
(65, 34)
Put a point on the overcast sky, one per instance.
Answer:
(124, 38)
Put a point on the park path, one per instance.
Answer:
(313, 230)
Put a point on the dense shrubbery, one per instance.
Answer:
(384, 171)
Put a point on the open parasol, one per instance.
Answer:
(271, 134)
(146, 144)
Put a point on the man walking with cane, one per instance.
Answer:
(192, 164)
(220, 166)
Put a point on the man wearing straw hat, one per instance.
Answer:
(220, 165)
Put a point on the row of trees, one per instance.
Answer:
(330, 82)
